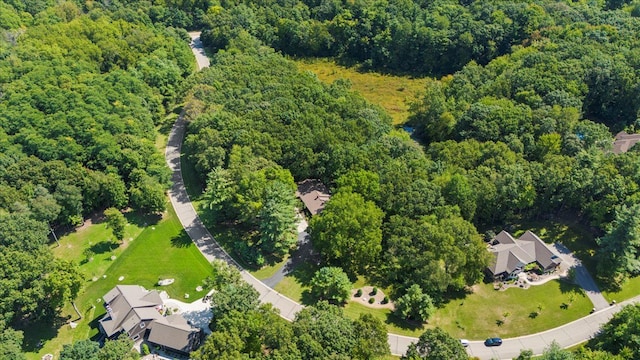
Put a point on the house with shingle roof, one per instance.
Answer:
(138, 313)
(623, 142)
(314, 194)
(511, 256)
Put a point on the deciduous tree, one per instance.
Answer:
(116, 222)
(436, 344)
(348, 232)
(332, 284)
(414, 305)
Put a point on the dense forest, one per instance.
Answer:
(81, 91)
(516, 122)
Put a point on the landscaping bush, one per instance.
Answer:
(359, 293)
(145, 349)
(372, 300)
(374, 291)
(385, 300)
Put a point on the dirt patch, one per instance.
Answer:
(367, 294)
(95, 218)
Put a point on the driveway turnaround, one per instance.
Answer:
(567, 335)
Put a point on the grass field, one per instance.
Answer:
(475, 317)
(161, 250)
(630, 288)
(392, 93)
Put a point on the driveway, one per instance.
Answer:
(302, 254)
(582, 277)
(198, 50)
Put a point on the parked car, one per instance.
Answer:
(464, 342)
(493, 342)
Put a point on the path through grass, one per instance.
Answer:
(162, 250)
(392, 93)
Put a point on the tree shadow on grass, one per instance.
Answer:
(567, 287)
(103, 247)
(38, 332)
(181, 241)
(308, 299)
(304, 273)
(141, 219)
(393, 319)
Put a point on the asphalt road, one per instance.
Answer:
(566, 335)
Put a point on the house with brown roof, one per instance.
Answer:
(511, 256)
(623, 142)
(138, 313)
(314, 194)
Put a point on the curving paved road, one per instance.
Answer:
(566, 335)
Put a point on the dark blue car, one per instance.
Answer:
(493, 342)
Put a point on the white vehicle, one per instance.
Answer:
(464, 342)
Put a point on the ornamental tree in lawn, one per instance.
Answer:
(332, 284)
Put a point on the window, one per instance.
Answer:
(142, 325)
(135, 337)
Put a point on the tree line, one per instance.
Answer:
(416, 37)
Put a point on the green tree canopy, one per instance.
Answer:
(116, 222)
(414, 305)
(619, 335)
(348, 232)
(331, 284)
(618, 255)
(436, 344)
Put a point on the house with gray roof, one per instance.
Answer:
(623, 142)
(511, 256)
(314, 194)
(138, 313)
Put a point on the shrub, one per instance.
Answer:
(372, 300)
(374, 291)
(145, 349)
(359, 293)
(385, 300)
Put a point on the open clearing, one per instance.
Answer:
(392, 93)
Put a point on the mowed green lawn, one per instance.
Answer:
(161, 250)
(392, 93)
(476, 316)
(631, 288)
